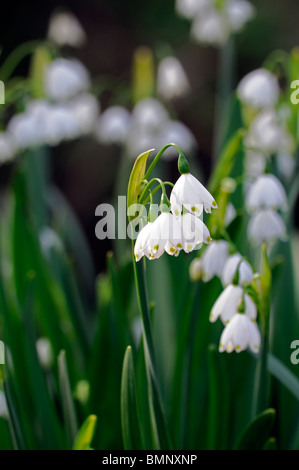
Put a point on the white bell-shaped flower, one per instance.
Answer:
(193, 232)
(65, 78)
(85, 109)
(239, 12)
(234, 263)
(214, 259)
(172, 81)
(239, 334)
(211, 27)
(259, 89)
(65, 30)
(27, 128)
(266, 225)
(112, 127)
(228, 303)
(141, 244)
(191, 194)
(266, 192)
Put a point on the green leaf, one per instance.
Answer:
(136, 177)
(85, 434)
(129, 408)
(284, 375)
(68, 407)
(40, 60)
(257, 433)
(226, 161)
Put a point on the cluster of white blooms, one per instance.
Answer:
(148, 125)
(264, 198)
(68, 111)
(267, 136)
(176, 230)
(216, 260)
(268, 132)
(213, 21)
(238, 313)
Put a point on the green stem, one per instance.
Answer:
(142, 297)
(157, 158)
(160, 431)
(261, 381)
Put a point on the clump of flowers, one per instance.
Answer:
(213, 21)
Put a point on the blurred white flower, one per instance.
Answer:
(140, 140)
(85, 109)
(255, 163)
(149, 115)
(26, 129)
(172, 81)
(45, 352)
(233, 263)
(65, 78)
(285, 164)
(214, 259)
(267, 133)
(3, 406)
(239, 12)
(189, 8)
(266, 192)
(65, 29)
(60, 124)
(239, 334)
(266, 225)
(113, 125)
(178, 132)
(228, 303)
(7, 147)
(259, 89)
(211, 27)
(191, 194)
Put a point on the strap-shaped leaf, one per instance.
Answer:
(129, 410)
(85, 434)
(257, 433)
(136, 177)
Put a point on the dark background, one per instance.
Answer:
(84, 170)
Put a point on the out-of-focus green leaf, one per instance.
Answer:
(129, 407)
(69, 414)
(226, 161)
(85, 434)
(284, 375)
(218, 415)
(257, 433)
(40, 60)
(14, 424)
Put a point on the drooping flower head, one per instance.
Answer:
(239, 334)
